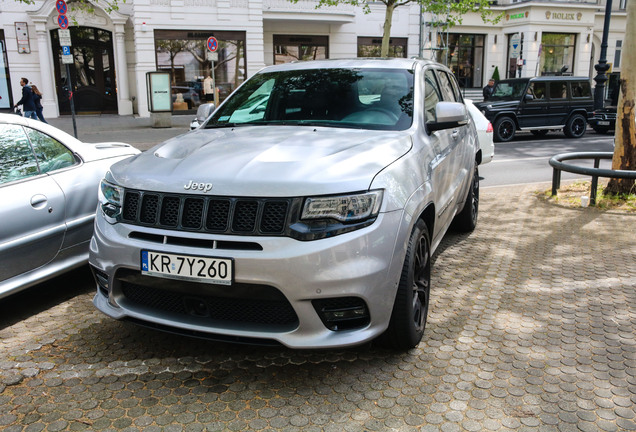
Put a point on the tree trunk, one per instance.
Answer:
(386, 36)
(625, 135)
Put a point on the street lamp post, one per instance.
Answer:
(602, 67)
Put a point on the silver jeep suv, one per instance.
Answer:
(304, 211)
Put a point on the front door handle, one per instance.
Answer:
(38, 201)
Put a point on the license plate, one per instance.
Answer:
(186, 267)
(603, 123)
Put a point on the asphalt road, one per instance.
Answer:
(525, 159)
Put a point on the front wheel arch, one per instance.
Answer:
(411, 303)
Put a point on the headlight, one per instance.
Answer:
(343, 208)
(110, 200)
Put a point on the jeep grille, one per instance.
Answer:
(245, 216)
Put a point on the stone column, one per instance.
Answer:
(47, 76)
(124, 103)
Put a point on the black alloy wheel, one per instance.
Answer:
(466, 219)
(576, 126)
(505, 129)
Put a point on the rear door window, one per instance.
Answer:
(52, 155)
(581, 89)
(558, 90)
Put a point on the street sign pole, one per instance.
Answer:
(213, 45)
(71, 99)
(67, 56)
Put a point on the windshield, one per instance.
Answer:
(361, 98)
(509, 90)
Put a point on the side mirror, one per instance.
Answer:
(203, 112)
(528, 97)
(448, 115)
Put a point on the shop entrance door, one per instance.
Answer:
(92, 73)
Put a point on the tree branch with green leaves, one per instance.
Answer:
(452, 10)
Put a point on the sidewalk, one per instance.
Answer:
(133, 130)
(532, 327)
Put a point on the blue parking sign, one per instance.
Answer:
(66, 50)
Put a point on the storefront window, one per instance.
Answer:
(185, 55)
(5, 93)
(465, 57)
(294, 48)
(557, 54)
(372, 47)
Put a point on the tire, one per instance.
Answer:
(540, 133)
(575, 127)
(505, 129)
(466, 220)
(410, 309)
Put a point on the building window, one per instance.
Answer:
(557, 54)
(465, 57)
(288, 48)
(622, 4)
(371, 47)
(185, 55)
(617, 53)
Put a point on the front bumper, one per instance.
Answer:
(363, 265)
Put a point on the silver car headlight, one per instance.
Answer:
(343, 208)
(110, 200)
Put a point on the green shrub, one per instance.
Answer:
(495, 74)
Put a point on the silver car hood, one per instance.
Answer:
(105, 150)
(262, 161)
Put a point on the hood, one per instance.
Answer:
(265, 161)
(106, 150)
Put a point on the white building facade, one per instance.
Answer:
(113, 51)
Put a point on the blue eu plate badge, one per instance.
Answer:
(144, 261)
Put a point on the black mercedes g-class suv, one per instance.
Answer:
(539, 105)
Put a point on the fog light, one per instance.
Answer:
(101, 279)
(342, 313)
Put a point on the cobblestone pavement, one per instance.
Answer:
(532, 328)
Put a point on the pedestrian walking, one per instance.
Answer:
(37, 99)
(27, 102)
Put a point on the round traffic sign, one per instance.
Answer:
(61, 7)
(213, 44)
(62, 21)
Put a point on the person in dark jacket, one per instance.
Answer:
(27, 102)
(37, 98)
(488, 89)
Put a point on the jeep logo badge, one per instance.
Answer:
(205, 187)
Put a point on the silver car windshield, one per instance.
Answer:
(380, 99)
